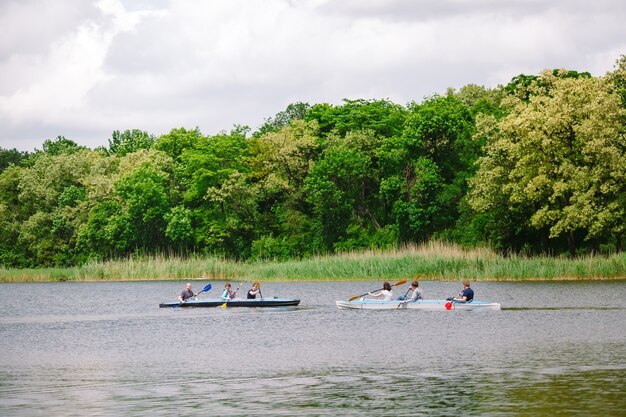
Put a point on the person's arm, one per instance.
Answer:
(462, 297)
(375, 295)
(409, 299)
(180, 297)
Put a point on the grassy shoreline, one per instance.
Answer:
(434, 261)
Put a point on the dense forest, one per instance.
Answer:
(535, 166)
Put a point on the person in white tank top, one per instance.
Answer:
(386, 292)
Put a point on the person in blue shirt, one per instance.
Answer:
(466, 295)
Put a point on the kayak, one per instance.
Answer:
(259, 302)
(369, 304)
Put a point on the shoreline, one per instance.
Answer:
(30, 280)
(433, 261)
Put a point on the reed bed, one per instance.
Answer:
(430, 261)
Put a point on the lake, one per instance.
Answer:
(105, 349)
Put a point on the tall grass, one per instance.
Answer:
(431, 261)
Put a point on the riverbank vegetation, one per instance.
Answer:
(534, 170)
(431, 261)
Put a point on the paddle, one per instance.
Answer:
(259, 288)
(450, 300)
(205, 289)
(363, 295)
(403, 298)
(235, 293)
(407, 291)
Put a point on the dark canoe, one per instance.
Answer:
(261, 302)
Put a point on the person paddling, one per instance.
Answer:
(186, 294)
(256, 289)
(466, 295)
(386, 293)
(228, 294)
(418, 294)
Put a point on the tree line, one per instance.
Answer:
(535, 166)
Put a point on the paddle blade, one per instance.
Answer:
(353, 298)
(207, 288)
(399, 283)
(449, 305)
(223, 305)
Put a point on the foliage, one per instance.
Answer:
(558, 160)
(129, 141)
(11, 157)
(382, 117)
(536, 166)
(294, 111)
(60, 146)
(434, 261)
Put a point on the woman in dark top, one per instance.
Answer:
(256, 289)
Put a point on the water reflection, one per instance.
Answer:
(345, 391)
(116, 355)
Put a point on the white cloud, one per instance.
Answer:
(215, 63)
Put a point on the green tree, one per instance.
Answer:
(479, 99)
(334, 189)
(11, 215)
(208, 161)
(382, 117)
(145, 193)
(128, 201)
(207, 164)
(424, 170)
(51, 205)
(278, 165)
(618, 77)
(294, 111)
(129, 141)
(558, 160)
(11, 156)
(524, 86)
(60, 146)
(235, 227)
(176, 141)
(179, 227)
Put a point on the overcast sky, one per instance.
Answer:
(82, 69)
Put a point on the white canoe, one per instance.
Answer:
(370, 304)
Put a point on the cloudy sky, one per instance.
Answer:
(82, 68)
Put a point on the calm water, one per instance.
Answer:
(89, 349)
